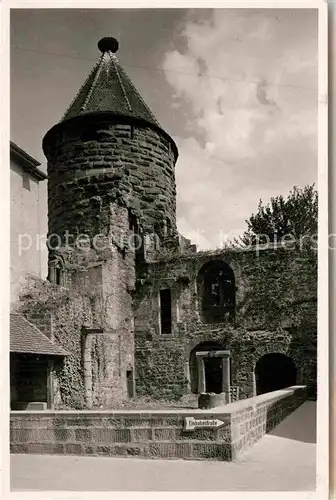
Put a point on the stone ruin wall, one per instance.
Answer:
(92, 311)
(275, 312)
(97, 181)
(100, 174)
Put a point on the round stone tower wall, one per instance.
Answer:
(94, 161)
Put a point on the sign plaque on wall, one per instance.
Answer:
(192, 423)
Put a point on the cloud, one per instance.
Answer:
(247, 80)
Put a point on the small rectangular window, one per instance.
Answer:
(130, 384)
(133, 224)
(165, 311)
(57, 276)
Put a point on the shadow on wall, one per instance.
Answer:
(299, 425)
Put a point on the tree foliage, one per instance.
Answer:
(294, 217)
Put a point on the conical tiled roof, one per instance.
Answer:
(109, 89)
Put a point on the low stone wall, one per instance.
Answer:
(252, 418)
(227, 431)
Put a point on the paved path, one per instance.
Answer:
(283, 460)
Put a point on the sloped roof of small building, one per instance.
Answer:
(27, 162)
(27, 338)
(108, 88)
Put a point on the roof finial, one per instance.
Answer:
(108, 44)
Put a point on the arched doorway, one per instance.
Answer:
(273, 372)
(216, 290)
(213, 368)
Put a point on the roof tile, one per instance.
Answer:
(27, 338)
(108, 88)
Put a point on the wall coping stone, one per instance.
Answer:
(227, 409)
(257, 400)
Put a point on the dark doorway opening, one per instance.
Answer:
(193, 367)
(274, 372)
(28, 378)
(130, 383)
(213, 374)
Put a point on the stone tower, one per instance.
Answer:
(111, 178)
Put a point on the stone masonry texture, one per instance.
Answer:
(275, 312)
(113, 178)
(100, 174)
(113, 162)
(153, 435)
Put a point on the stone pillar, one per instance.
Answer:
(87, 370)
(254, 382)
(195, 300)
(201, 374)
(226, 382)
(226, 374)
(50, 385)
(187, 376)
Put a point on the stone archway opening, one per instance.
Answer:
(273, 372)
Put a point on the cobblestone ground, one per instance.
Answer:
(283, 460)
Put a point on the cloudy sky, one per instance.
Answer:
(236, 89)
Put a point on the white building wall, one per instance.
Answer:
(25, 217)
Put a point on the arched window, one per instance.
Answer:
(216, 289)
(55, 271)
